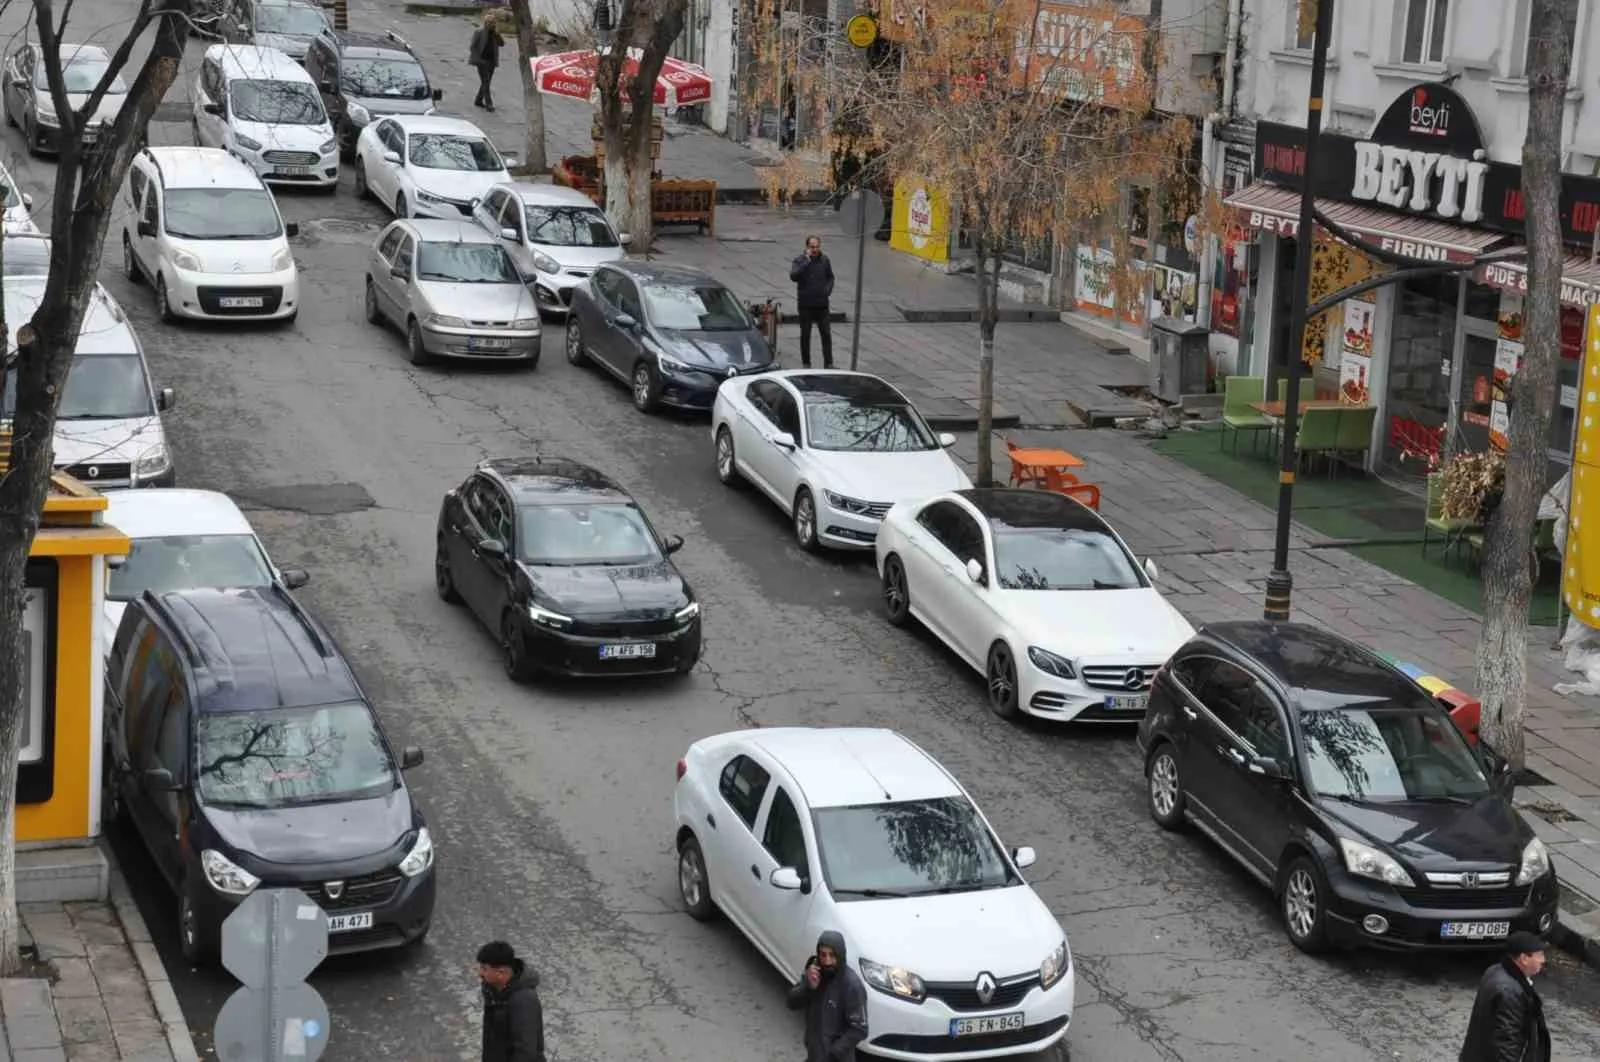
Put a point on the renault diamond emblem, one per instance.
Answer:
(334, 889)
(985, 987)
(94, 471)
(733, 370)
(1470, 879)
(1134, 679)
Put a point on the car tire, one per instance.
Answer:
(514, 652)
(576, 355)
(1000, 678)
(194, 939)
(694, 884)
(1164, 787)
(805, 520)
(130, 262)
(416, 353)
(362, 191)
(727, 459)
(401, 208)
(113, 810)
(443, 581)
(646, 392)
(1302, 894)
(896, 592)
(373, 310)
(194, 131)
(30, 135)
(163, 303)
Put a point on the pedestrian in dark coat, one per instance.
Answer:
(484, 53)
(513, 1017)
(812, 274)
(835, 1002)
(1507, 1022)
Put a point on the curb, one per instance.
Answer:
(179, 1041)
(1575, 932)
(1574, 942)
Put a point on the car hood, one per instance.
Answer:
(291, 44)
(243, 257)
(888, 477)
(952, 938)
(273, 136)
(315, 833)
(479, 302)
(18, 219)
(90, 441)
(1439, 836)
(581, 257)
(458, 186)
(110, 106)
(646, 591)
(1134, 626)
(394, 104)
(717, 350)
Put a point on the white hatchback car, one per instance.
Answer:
(427, 166)
(791, 831)
(833, 449)
(1037, 593)
(199, 225)
(261, 106)
(17, 206)
(556, 235)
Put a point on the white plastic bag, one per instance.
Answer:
(1582, 643)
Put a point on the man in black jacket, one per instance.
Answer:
(835, 1003)
(812, 274)
(1507, 1022)
(513, 1017)
(484, 53)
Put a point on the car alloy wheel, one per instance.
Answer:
(130, 264)
(443, 581)
(693, 884)
(727, 467)
(374, 314)
(416, 353)
(1303, 905)
(575, 352)
(362, 191)
(514, 651)
(805, 520)
(896, 599)
(644, 388)
(30, 133)
(1002, 680)
(163, 304)
(1165, 788)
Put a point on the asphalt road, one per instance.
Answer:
(552, 805)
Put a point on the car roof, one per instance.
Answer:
(435, 123)
(553, 481)
(1025, 508)
(255, 649)
(663, 272)
(1306, 658)
(88, 52)
(355, 43)
(201, 167)
(438, 230)
(149, 513)
(105, 325)
(256, 61)
(30, 249)
(841, 384)
(548, 194)
(849, 766)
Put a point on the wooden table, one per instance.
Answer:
(1028, 462)
(1276, 409)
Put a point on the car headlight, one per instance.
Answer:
(545, 618)
(670, 364)
(152, 463)
(329, 147)
(185, 260)
(420, 857)
(282, 260)
(847, 504)
(526, 323)
(47, 113)
(225, 876)
(240, 140)
(429, 197)
(446, 321)
(687, 612)
(359, 114)
(544, 263)
(893, 980)
(1055, 965)
(1051, 664)
(1535, 862)
(1367, 862)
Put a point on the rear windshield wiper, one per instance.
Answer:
(872, 894)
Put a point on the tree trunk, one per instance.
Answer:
(988, 317)
(533, 149)
(639, 219)
(1508, 546)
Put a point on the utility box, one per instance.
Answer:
(1179, 359)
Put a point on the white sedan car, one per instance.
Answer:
(1036, 592)
(16, 207)
(426, 166)
(833, 449)
(793, 831)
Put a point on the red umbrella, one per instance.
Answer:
(572, 74)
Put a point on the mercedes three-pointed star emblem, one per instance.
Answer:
(985, 987)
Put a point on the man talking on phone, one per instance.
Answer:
(835, 1002)
(812, 274)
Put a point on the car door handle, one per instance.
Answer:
(1235, 755)
(711, 820)
(1190, 713)
(755, 872)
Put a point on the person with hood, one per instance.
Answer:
(835, 1002)
(484, 53)
(513, 1017)
(1507, 1023)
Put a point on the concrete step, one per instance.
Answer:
(969, 314)
(61, 875)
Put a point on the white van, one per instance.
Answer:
(261, 106)
(108, 428)
(200, 226)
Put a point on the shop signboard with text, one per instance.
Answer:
(1085, 51)
(920, 225)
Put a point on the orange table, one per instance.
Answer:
(1028, 463)
(1276, 409)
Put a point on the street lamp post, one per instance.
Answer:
(1280, 584)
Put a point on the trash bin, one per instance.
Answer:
(1179, 359)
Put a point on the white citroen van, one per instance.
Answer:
(199, 225)
(260, 105)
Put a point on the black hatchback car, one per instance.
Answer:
(247, 756)
(1342, 785)
(365, 76)
(561, 564)
(671, 333)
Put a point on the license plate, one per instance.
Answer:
(630, 651)
(1132, 702)
(293, 171)
(1475, 930)
(992, 1024)
(241, 302)
(488, 344)
(343, 923)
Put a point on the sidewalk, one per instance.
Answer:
(107, 998)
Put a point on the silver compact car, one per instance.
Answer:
(558, 237)
(454, 292)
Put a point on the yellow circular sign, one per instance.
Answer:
(861, 31)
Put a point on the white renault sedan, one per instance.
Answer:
(427, 166)
(832, 449)
(793, 831)
(1037, 593)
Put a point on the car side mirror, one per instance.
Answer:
(511, 234)
(295, 578)
(787, 879)
(160, 780)
(672, 543)
(147, 229)
(400, 272)
(624, 320)
(1267, 767)
(392, 157)
(212, 108)
(291, 229)
(1024, 857)
(1502, 779)
(490, 548)
(974, 571)
(244, 27)
(166, 398)
(625, 239)
(1151, 570)
(116, 560)
(784, 441)
(410, 756)
(438, 94)
(947, 440)
(27, 200)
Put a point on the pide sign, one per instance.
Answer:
(1516, 280)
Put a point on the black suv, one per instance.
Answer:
(244, 751)
(1342, 785)
(364, 75)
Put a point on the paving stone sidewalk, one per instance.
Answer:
(109, 999)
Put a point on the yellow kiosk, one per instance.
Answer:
(58, 770)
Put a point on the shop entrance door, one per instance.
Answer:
(1475, 387)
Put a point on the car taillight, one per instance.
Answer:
(683, 768)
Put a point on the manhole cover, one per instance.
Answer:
(311, 499)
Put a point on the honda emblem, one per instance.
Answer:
(1470, 879)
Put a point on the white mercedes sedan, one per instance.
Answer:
(833, 449)
(790, 831)
(1037, 593)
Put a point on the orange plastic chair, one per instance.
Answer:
(1068, 484)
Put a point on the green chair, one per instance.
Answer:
(1308, 389)
(1239, 393)
(1452, 528)
(1355, 429)
(1318, 433)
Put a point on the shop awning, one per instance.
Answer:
(1271, 208)
(1580, 279)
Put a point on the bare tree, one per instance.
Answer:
(533, 150)
(85, 186)
(627, 108)
(1508, 545)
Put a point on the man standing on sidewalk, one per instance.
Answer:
(1507, 1023)
(484, 53)
(812, 274)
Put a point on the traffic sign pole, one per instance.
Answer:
(861, 214)
(271, 943)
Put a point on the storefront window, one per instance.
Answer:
(1419, 366)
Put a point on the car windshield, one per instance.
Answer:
(221, 214)
(1382, 751)
(466, 263)
(569, 227)
(578, 535)
(909, 848)
(276, 102)
(867, 427)
(99, 387)
(188, 562)
(448, 151)
(288, 756)
(1062, 558)
(83, 75)
(695, 308)
(291, 20)
(22, 257)
(395, 79)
